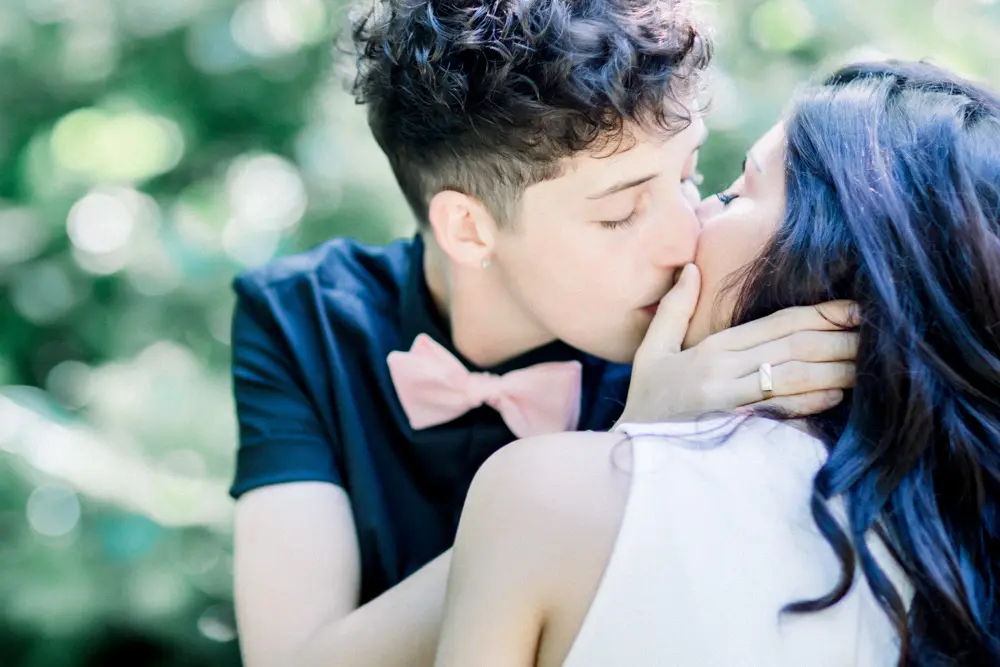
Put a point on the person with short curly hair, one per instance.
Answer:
(867, 535)
(548, 149)
(470, 98)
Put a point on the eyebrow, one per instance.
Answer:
(627, 185)
(624, 186)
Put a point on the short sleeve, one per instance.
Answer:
(281, 435)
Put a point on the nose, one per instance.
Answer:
(676, 239)
(691, 193)
(709, 207)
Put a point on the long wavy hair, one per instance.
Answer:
(893, 200)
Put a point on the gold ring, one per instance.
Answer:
(766, 383)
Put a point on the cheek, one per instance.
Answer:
(579, 285)
(727, 244)
(724, 248)
(580, 277)
(552, 270)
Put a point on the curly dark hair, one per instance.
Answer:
(485, 97)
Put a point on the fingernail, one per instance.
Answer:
(853, 315)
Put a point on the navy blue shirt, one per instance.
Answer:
(315, 402)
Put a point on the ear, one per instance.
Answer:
(463, 228)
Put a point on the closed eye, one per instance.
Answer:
(616, 224)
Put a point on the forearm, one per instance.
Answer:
(400, 627)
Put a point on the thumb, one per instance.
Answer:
(670, 324)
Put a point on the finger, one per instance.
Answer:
(796, 377)
(831, 316)
(670, 324)
(800, 405)
(809, 346)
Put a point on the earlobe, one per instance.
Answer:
(462, 227)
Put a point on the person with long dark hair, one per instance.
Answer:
(534, 141)
(868, 535)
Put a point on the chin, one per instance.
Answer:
(620, 357)
(620, 349)
(615, 344)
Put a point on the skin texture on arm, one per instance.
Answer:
(536, 534)
(296, 566)
(297, 581)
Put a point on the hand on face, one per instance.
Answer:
(811, 353)
(594, 250)
(690, 363)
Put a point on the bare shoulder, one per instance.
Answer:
(556, 477)
(580, 447)
(550, 509)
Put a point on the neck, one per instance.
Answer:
(487, 326)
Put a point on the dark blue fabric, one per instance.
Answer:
(315, 402)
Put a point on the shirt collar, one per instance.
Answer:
(419, 315)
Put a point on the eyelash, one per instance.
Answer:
(617, 224)
(695, 178)
(727, 198)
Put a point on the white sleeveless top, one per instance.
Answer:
(716, 539)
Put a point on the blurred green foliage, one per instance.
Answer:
(149, 150)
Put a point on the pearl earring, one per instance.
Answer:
(486, 262)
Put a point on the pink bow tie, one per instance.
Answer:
(435, 388)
